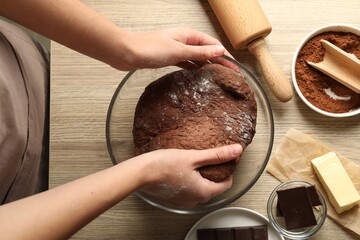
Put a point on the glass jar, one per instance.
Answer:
(278, 222)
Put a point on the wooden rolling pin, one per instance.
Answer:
(246, 26)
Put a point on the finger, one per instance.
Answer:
(202, 53)
(190, 36)
(215, 189)
(187, 65)
(198, 45)
(216, 155)
(227, 62)
(201, 63)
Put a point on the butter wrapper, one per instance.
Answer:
(292, 160)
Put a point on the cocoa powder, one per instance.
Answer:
(319, 89)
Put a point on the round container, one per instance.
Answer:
(119, 137)
(233, 217)
(320, 30)
(278, 222)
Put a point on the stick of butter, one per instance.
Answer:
(337, 183)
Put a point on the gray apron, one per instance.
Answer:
(24, 102)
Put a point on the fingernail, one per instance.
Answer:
(236, 149)
(219, 50)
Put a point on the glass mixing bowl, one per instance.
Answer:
(119, 137)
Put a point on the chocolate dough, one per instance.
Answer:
(196, 109)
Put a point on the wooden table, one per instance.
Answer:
(81, 89)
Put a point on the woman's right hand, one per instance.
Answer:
(174, 177)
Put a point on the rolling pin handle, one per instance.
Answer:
(273, 74)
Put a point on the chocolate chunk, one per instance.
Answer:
(278, 210)
(243, 234)
(224, 234)
(259, 233)
(206, 234)
(234, 233)
(313, 196)
(296, 208)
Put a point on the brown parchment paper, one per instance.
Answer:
(292, 161)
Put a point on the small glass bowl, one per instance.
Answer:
(278, 222)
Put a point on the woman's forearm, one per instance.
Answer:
(71, 23)
(75, 25)
(62, 211)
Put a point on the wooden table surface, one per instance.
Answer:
(81, 89)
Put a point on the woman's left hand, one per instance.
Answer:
(166, 47)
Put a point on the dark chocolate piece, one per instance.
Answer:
(278, 210)
(234, 233)
(259, 233)
(224, 234)
(206, 234)
(313, 196)
(243, 234)
(295, 205)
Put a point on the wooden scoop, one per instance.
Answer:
(340, 65)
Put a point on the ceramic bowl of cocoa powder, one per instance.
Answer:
(317, 90)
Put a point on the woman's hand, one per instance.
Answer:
(175, 178)
(97, 37)
(166, 47)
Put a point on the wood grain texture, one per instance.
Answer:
(81, 89)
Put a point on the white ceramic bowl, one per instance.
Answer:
(320, 30)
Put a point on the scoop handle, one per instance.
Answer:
(273, 74)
